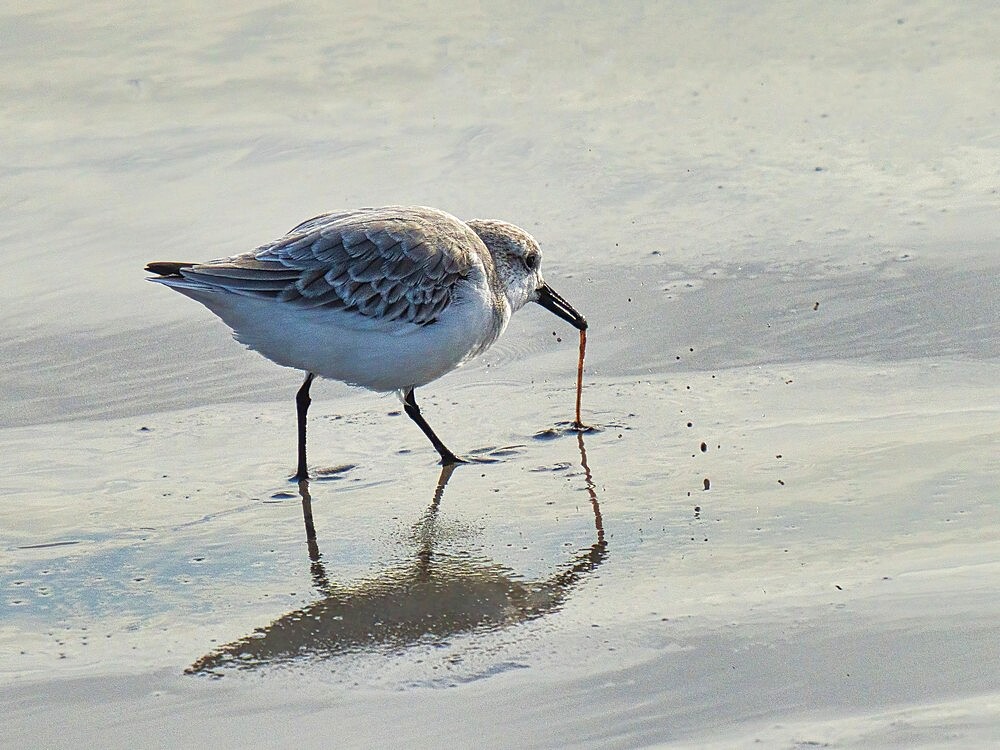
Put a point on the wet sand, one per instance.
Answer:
(784, 232)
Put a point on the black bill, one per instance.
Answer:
(556, 304)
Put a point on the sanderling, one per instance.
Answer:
(388, 299)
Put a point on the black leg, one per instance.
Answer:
(302, 402)
(413, 412)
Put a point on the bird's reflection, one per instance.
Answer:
(428, 598)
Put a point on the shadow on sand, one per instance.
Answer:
(426, 599)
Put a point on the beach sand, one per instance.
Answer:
(783, 224)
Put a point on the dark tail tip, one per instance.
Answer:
(167, 267)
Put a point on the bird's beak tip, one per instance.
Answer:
(547, 298)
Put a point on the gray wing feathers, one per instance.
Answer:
(381, 263)
(236, 276)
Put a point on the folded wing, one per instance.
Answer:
(393, 263)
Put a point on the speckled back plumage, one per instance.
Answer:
(392, 263)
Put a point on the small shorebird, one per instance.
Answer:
(384, 298)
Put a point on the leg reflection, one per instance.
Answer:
(320, 581)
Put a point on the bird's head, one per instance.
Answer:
(518, 263)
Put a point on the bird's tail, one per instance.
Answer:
(167, 267)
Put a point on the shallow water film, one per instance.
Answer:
(780, 529)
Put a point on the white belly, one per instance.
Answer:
(379, 355)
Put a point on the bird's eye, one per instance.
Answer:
(532, 260)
